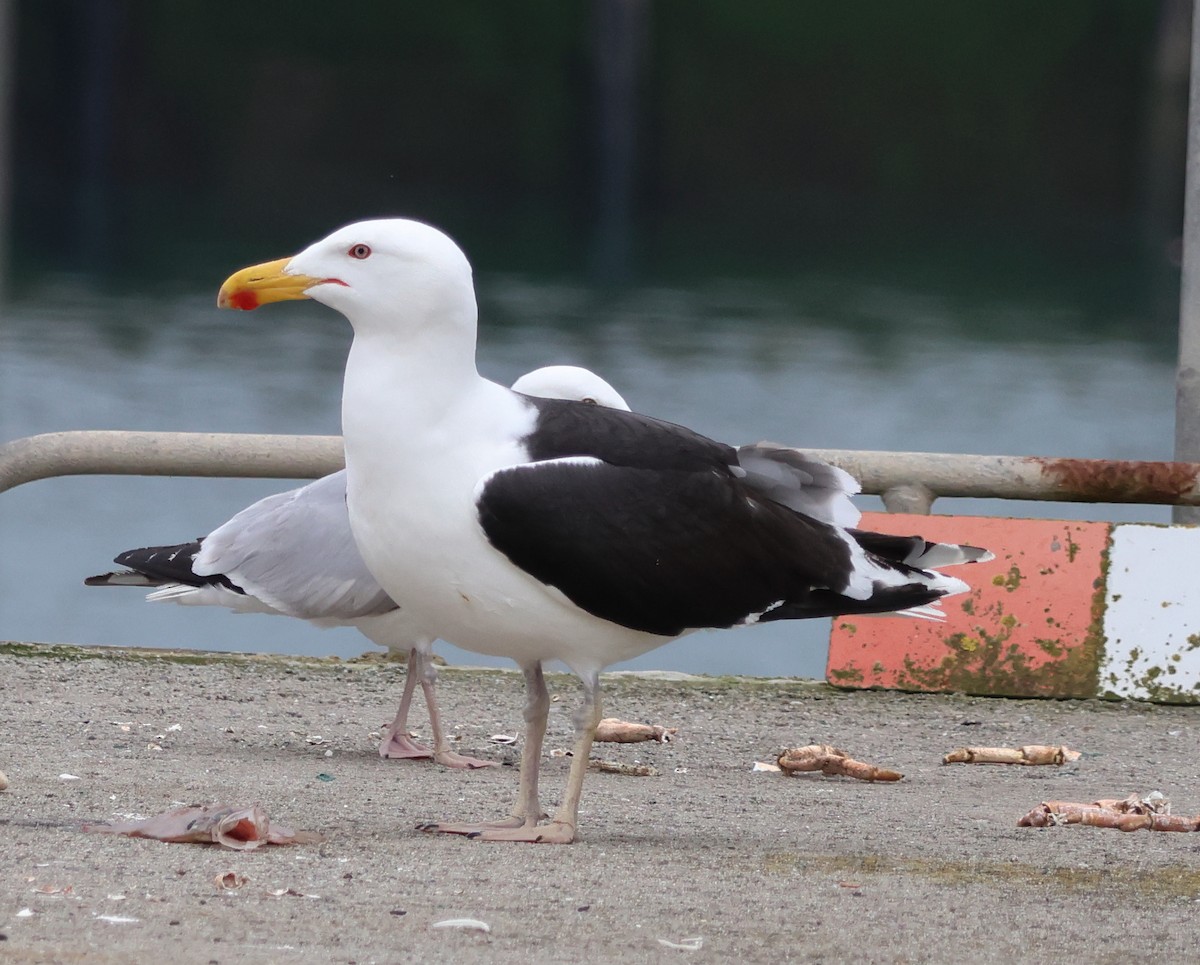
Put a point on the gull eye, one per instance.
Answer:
(360, 251)
(588, 400)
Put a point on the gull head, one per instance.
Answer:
(377, 272)
(570, 382)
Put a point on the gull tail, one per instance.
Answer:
(122, 578)
(919, 552)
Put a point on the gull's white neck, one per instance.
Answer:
(406, 378)
(413, 404)
(413, 352)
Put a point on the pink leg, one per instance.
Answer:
(396, 743)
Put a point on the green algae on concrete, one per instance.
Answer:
(1171, 881)
(1155, 681)
(617, 682)
(987, 661)
(71, 652)
(1031, 624)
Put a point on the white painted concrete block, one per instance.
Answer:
(1152, 617)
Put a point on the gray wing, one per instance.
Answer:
(801, 482)
(811, 486)
(295, 552)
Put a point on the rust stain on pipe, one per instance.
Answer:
(1120, 481)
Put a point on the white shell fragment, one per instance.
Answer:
(3, 781)
(116, 919)
(68, 777)
(502, 739)
(693, 944)
(466, 924)
(765, 766)
(229, 881)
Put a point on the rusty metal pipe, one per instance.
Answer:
(1022, 477)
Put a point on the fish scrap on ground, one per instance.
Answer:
(615, 731)
(832, 760)
(240, 828)
(1133, 813)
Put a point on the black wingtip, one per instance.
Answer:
(166, 564)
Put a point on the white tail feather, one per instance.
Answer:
(210, 595)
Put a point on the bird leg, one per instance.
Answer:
(536, 714)
(528, 810)
(561, 829)
(441, 745)
(396, 742)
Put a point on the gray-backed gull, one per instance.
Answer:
(293, 554)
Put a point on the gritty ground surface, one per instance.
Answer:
(761, 867)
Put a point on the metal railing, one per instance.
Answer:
(909, 482)
(121, 453)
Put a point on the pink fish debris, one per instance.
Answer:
(240, 828)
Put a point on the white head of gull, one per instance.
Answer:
(541, 529)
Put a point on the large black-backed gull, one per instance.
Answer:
(293, 554)
(542, 529)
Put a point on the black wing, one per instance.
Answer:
(568, 428)
(166, 564)
(670, 550)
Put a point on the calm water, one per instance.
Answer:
(822, 364)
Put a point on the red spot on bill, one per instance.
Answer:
(244, 300)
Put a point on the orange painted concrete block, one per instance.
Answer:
(1032, 624)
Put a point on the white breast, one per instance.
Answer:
(413, 469)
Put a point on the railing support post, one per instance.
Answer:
(909, 498)
(1187, 377)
